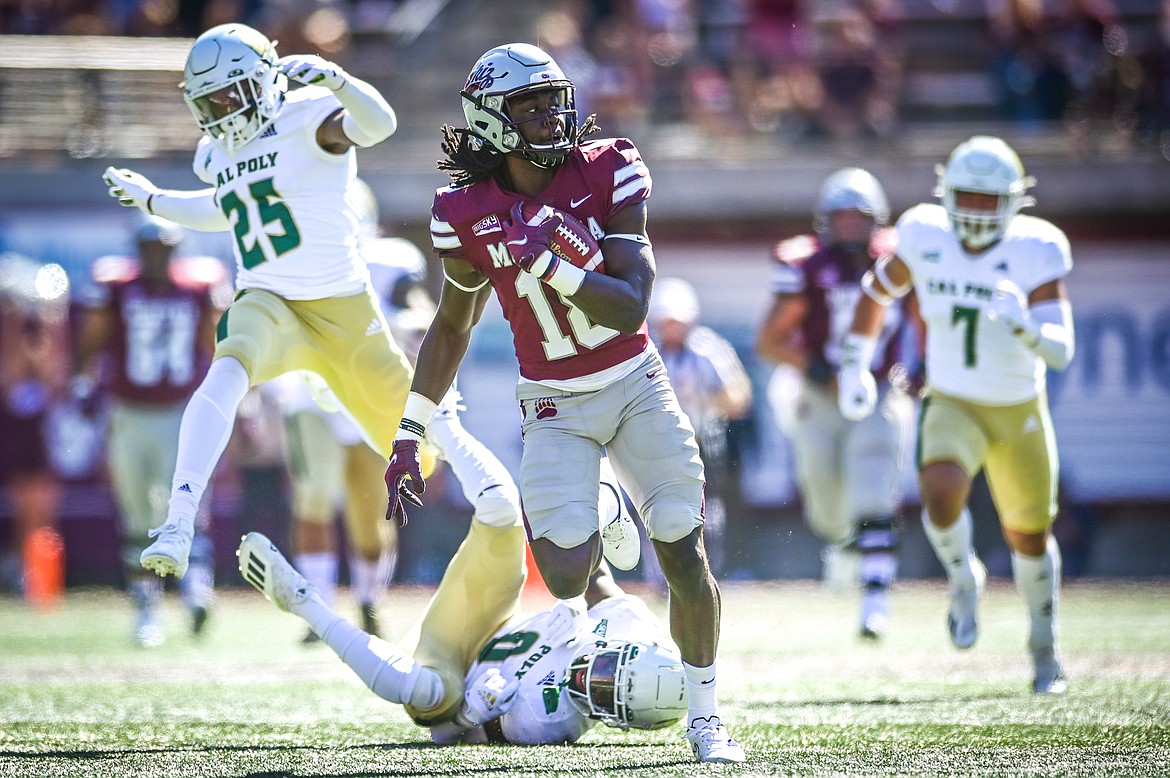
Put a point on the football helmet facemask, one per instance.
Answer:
(629, 685)
(850, 189)
(986, 165)
(232, 85)
(508, 72)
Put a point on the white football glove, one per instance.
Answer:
(856, 388)
(130, 188)
(562, 628)
(1009, 305)
(312, 70)
(856, 393)
(490, 697)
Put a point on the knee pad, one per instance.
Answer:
(670, 521)
(498, 506)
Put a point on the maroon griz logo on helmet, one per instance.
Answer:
(482, 78)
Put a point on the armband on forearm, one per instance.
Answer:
(873, 291)
(1048, 332)
(415, 417)
(563, 276)
(369, 119)
(196, 209)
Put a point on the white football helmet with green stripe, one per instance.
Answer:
(232, 85)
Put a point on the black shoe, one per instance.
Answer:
(370, 620)
(199, 616)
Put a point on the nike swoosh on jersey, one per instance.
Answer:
(575, 203)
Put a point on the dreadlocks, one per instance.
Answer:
(470, 160)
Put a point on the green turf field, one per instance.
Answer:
(798, 690)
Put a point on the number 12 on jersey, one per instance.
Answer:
(557, 344)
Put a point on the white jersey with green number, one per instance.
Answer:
(967, 354)
(290, 204)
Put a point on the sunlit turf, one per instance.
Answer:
(798, 689)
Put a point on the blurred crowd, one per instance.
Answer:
(837, 69)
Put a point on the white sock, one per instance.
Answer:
(383, 667)
(700, 692)
(320, 569)
(953, 547)
(1038, 580)
(486, 483)
(204, 431)
(366, 580)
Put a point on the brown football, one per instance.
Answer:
(573, 242)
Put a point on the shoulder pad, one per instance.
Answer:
(114, 269)
(795, 250)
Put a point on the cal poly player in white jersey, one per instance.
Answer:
(991, 292)
(474, 669)
(281, 176)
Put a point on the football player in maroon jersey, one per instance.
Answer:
(590, 379)
(151, 333)
(850, 473)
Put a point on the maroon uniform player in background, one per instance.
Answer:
(850, 473)
(149, 340)
(590, 379)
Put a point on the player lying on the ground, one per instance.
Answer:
(474, 669)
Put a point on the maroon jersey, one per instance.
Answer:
(830, 282)
(154, 356)
(554, 340)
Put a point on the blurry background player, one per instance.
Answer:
(34, 345)
(991, 290)
(280, 173)
(849, 472)
(148, 338)
(713, 389)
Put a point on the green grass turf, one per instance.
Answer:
(798, 689)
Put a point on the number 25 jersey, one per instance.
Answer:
(290, 204)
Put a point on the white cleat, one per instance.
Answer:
(620, 544)
(875, 612)
(711, 742)
(1050, 677)
(962, 618)
(170, 552)
(147, 631)
(262, 565)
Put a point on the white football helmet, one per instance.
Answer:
(850, 189)
(629, 685)
(990, 166)
(232, 85)
(509, 71)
